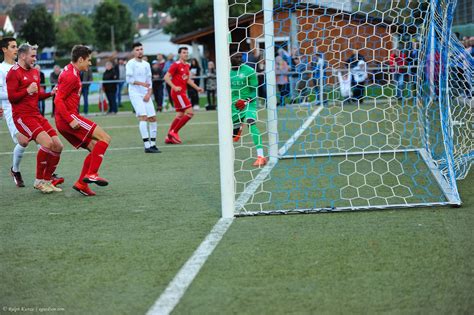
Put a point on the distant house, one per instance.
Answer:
(6, 25)
(156, 41)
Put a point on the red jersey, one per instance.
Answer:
(68, 94)
(24, 103)
(179, 72)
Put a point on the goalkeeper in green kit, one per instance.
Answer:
(244, 84)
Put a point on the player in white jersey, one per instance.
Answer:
(138, 73)
(10, 50)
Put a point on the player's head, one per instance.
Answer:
(27, 55)
(183, 53)
(137, 50)
(81, 57)
(236, 60)
(9, 48)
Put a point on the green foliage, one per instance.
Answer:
(192, 15)
(112, 13)
(21, 11)
(39, 28)
(137, 6)
(74, 29)
(189, 15)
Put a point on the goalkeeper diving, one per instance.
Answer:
(244, 84)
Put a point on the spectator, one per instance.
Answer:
(304, 71)
(295, 60)
(86, 77)
(211, 86)
(195, 72)
(120, 70)
(398, 69)
(282, 81)
(168, 63)
(41, 103)
(110, 88)
(358, 70)
(53, 80)
(345, 84)
(157, 80)
(317, 67)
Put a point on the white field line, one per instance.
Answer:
(183, 279)
(178, 286)
(136, 125)
(132, 148)
(253, 186)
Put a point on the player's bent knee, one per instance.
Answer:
(152, 119)
(22, 140)
(106, 138)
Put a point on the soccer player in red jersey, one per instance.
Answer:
(23, 85)
(178, 78)
(80, 131)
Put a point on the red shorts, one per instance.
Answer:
(32, 126)
(80, 137)
(180, 101)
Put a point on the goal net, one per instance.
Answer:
(353, 104)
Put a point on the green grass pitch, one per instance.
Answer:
(116, 253)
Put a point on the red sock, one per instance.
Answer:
(97, 155)
(85, 167)
(41, 162)
(182, 122)
(174, 123)
(53, 160)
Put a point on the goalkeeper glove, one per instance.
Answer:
(240, 104)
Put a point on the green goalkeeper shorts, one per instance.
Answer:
(242, 116)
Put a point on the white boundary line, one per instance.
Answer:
(183, 279)
(130, 148)
(136, 126)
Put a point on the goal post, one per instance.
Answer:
(357, 105)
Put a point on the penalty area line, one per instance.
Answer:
(183, 279)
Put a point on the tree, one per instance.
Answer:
(112, 16)
(191, 15)
(21, 11)
(74, 29)
(39, 28)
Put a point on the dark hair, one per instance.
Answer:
(182, 48)
(137, 44)
(5, 41)
(79, 51)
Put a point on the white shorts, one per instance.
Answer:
(141, 107)
(8, 115)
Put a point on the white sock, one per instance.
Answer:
(143, 126)
(260, 152)
(17, 156)
(153, 127)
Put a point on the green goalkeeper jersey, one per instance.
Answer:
(244, 84)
